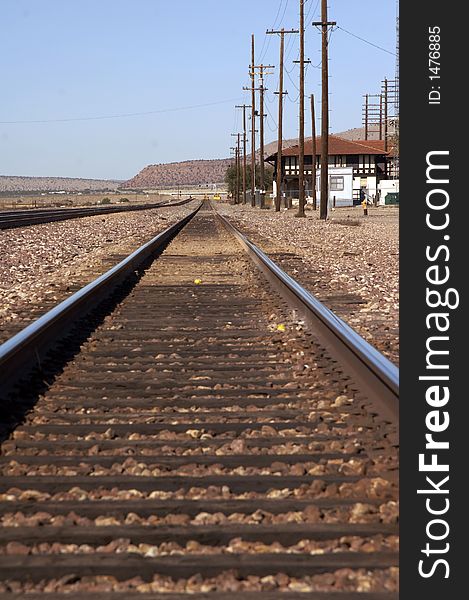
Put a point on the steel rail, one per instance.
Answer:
(377, 375)
(13, 219)
(23, 351)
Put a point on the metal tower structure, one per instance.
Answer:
(396, 100)
(396, 77)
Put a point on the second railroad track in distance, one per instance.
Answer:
(12, 219)
(194, 437)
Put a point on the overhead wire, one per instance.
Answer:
(265, 36)
(306, 19)
(122, 115)
(265, 47)
(273, 121)
(366, 41)
(279, 23)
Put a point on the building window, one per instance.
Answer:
(337, 183)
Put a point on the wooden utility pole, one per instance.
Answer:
(301, 160)
(390, 92)
(366, 116)
(381, 116)
(373, 115)
(385, 115)
(280, 125)
(280, 93)
(237, 169)
(253, 125)
(324, 23)
(261, 136)
(262, 89)
(237, 155)
(313, 144)
(234, 150)
(244, 106)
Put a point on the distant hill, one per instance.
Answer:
(202, 172)
(358, 133)
(189, 172)
(18, 184)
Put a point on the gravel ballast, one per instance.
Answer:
(43, 264)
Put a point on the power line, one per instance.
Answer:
(315, 8)
(123, 115)
(274, 129)
(319, 65)
(309, 11)
(289, 48)
(293, 83)
(283, 16)
(366, 41)
(298, 53)
(264, 51)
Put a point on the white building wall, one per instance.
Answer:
(343, 197)
(385, 186)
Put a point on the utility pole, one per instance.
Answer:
(381, 116)
(233, 150)
(324, 23)
(237, 175)
(262, 89)
(261, 137)
(373, 115)
(280, 93)
(261, 134)
(238, 169)
(237, 155)
(244, 106)
(313, 142)
(366, 116)
(301, 160)
(385, 115)
(253, 126)
(390, 93)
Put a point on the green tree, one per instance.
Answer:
(230, 178)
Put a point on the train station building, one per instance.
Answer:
(355, 168)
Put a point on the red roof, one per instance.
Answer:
(338, 145)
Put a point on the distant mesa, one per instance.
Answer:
(202, 172)
(189, 172)
(17, 184)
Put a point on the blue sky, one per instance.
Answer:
(74, 59)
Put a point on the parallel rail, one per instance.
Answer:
(26, 348)
(379, 375)
(13, 219)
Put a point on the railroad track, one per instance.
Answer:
(194, 436)
(19, 218)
